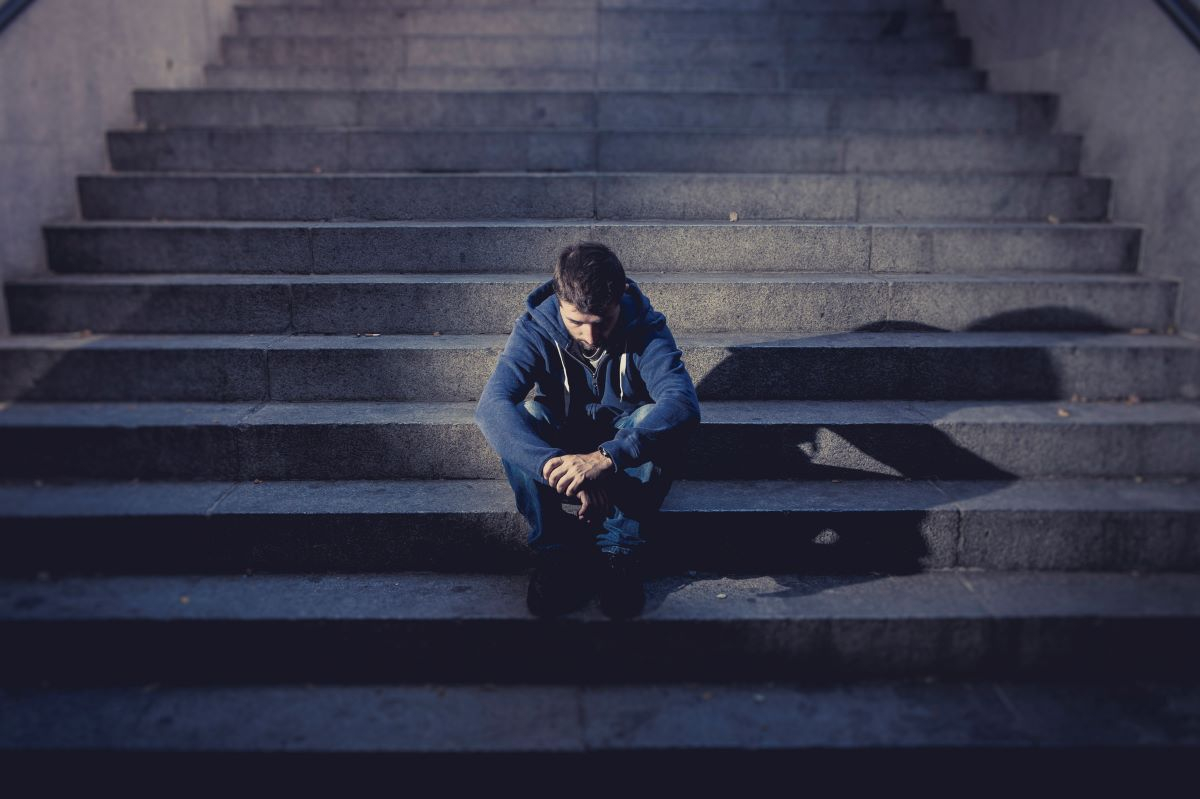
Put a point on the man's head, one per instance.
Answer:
(589, 281)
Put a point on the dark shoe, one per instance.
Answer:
(560, 583)
(622, 595)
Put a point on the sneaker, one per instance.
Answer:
(559, 584)
(622, 594)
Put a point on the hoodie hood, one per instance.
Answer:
(645, 370)
(636, 311)
(542, 305)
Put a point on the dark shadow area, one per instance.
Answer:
(912, 535)
(774, 537)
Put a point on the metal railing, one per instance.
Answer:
(10, 10)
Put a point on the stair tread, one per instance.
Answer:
(475, 278)
(744, 94)
(92, 498)
(935, 339)
(584, 223)
(804, 412)
(477, 175)
(427, 718)
(432, 597)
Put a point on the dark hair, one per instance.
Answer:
(589, 276)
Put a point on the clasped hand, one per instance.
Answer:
(579, 475)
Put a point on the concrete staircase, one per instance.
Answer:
(943, 496)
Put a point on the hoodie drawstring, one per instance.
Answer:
(566, 384)
(621, 374)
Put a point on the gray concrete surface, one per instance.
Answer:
(811, 526)
(291, 150)
(700, 77)
(66, 72)
(947, 719)
(1127, 80)
(448, 368)
(786, 302)
(644, 245)
(420, 626)
(801, 440)
(998, 198)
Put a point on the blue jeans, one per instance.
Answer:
(636, 493)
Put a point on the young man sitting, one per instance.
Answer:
(606, 427)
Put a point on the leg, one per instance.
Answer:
(638, 493)
(549, 526)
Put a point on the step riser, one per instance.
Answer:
(364, 451)
(623, 24)
(888, 541)
(266, 150)
(626, 111)
(482, 307)
(698, 79)
(285, 21)
(857, 6)
(529, 249)
(625, 196)
(873, 26)
(383, 650)
(584, 52)
(458, 375)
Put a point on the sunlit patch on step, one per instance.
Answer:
(827, 537)
(829, 448)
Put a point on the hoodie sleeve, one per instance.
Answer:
(676, 409)
(505, 424)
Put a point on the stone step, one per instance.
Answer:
(723, 366)
(307, 20)
(290, 150)
(710, 731)
(812, 527)
(736, 441)
(604, 195)
(698, 78)
(528, 245)
(454, 627)
(488, 303)
(607, 22)
(629, 110)
(401, 51)
(859, 6)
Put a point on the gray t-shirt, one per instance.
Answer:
(594, 357)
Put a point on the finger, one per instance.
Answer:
(584, 504)
(558, 478)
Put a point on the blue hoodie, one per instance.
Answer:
(643, 365)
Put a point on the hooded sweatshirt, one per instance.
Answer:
(643, 365)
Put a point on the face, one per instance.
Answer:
(590, 330)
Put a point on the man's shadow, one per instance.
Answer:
(848, 536)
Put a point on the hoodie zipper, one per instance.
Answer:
(588, 368)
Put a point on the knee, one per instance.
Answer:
(537, 410)
(636, 416)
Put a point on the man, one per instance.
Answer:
(606, 427)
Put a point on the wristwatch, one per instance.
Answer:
(610, 457)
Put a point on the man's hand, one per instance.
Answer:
(596, 503)
(567, 473)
